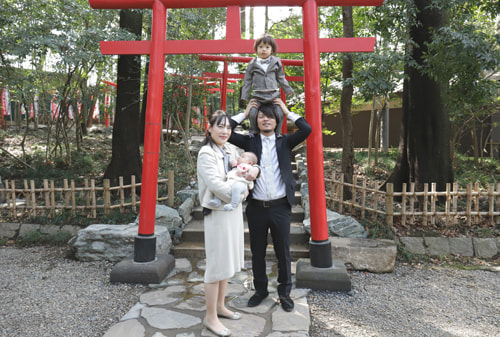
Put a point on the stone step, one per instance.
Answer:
(297, 212)
(195, 249)
(193, 232)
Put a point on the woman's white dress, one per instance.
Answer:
(224, 234)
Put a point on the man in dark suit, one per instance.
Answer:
(270, 202)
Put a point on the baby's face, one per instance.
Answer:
(243, 159)
(264, 50)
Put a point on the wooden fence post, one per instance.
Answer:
(122, 194)
(107, 196)
(403, 204)
(93, 196)
(52, 199)
(67, 193)
(477, 192)
(469, 203)
(33, 196)
(389, 205)
(73, 198)
(27, 195)
(14, 202)
(424, 203)
(341, 194)
(497, 206)
(447, 204)
(133, 193)
(433, 202)
(171, 188)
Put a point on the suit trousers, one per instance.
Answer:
(275, 219)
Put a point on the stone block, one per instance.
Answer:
(73, 230)
(461, 246)
(8, 230)
(413, 244)
(378, 256)
(436, 246)
(50, 229)
(186, 209)
(28, 227)
(166, 217)
(188, 194)
(485, 247)
(114, 242)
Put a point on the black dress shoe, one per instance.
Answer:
(256, 299)
(286, 303)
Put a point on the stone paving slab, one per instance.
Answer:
(176, 307)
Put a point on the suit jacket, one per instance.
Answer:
(265, 82)
(284, 146)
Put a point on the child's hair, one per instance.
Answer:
(266, 38)
(219, 116)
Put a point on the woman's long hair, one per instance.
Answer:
(218, 117)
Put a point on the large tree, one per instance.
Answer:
(424, 148)
(126, 157)
(346, 103)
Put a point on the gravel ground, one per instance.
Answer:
(413, 301)
(44, 294)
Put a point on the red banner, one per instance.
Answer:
(5, 102)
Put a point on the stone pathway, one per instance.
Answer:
(176, 307)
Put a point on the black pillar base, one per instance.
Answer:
(129, 271)
(144, 248)
(320, 253)
(334, 278)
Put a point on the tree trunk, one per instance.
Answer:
(126, 157)
(345, 105)
(370, 132)
(424, 147)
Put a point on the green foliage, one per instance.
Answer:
(66, 218)
(464, 53)
(35, 237)
(88, 163)
(377, 229)
(468, 172)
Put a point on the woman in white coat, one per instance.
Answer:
(223, 229)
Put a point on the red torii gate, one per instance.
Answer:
(310, 45)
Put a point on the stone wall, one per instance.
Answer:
(439, 246)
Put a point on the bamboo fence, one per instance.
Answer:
(49, 200)
(469, 205)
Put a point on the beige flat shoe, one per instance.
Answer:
(234, 316)
(223, 333)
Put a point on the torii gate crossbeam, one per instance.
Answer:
(311, 45)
